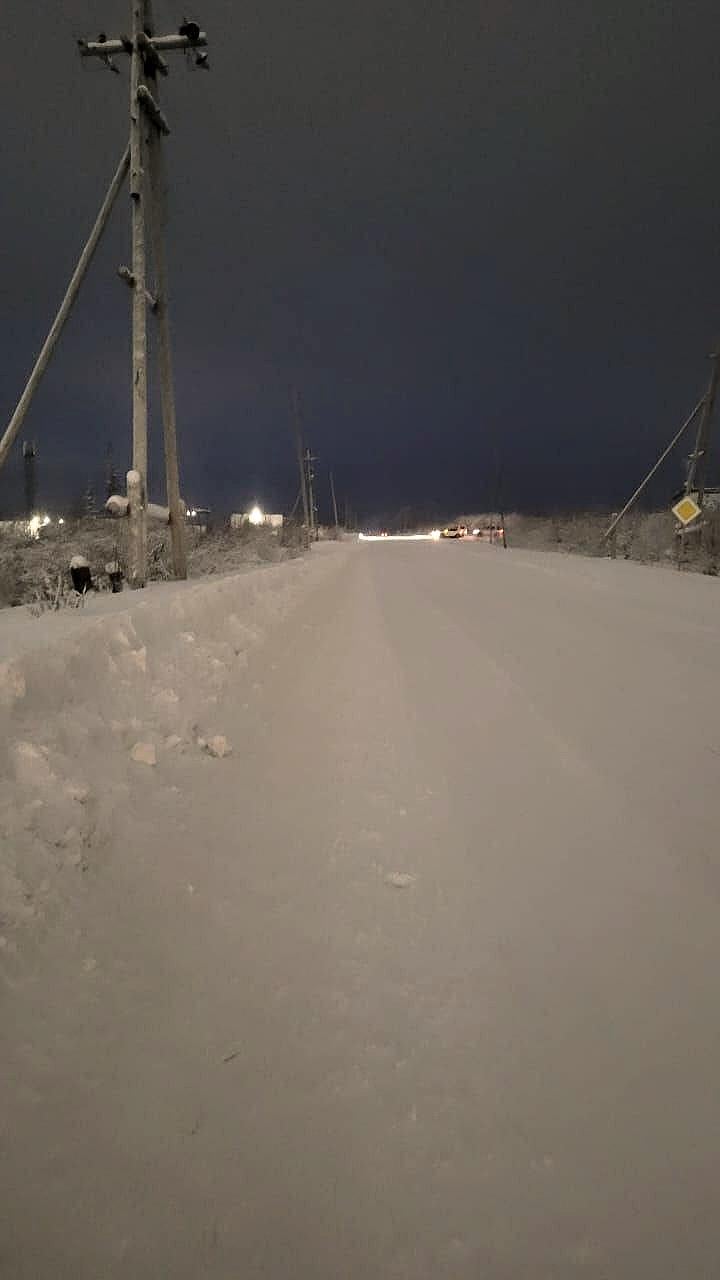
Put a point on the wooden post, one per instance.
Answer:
(138, 542)
(66, 305)
(167, 390)
(334, 501)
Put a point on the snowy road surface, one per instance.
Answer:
(421, 982)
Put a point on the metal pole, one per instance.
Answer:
(41, 364)
(688, 421)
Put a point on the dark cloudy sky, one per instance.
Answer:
(458, 228)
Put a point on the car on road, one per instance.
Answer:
(454, 531)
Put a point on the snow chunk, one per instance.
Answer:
(31, 766)
(135, 660)
(71, 836)
(144, 753)
(116, 505)
(399, 879)
(12, 684)
(76, 791)
(166, 698)
(218, 747)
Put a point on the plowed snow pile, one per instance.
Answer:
(92, 699)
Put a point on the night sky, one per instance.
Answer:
(467, 232)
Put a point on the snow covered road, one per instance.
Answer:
(421, 981)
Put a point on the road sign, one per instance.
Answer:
(686, 510)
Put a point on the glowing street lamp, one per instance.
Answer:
(256, 516)
(35, 524)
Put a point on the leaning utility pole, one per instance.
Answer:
(644, 483)
(66, 306)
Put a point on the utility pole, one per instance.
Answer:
(138, 143)
(697, 466)
(301, 462)
(334, 501)
(499, 498)
(310, 476)
(147, 191)
(158, 219)
(147, 122)
(29, 453)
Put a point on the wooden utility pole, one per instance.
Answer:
(334, 501)
(144, 159)
(301, 463)
(310, 476)
(137, 569)
(499, 496)
(167, 390)
(29, 453)
(697, 467)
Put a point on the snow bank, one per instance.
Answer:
(89, 700)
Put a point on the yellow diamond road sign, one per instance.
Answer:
(686, 510)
